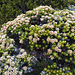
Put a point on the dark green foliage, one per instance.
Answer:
(9, 9)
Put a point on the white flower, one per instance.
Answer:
(22, 50)
(12, 63)
(34, 40)
(73, 27)
(58, 45)
(3, 36)
(46, 8)
(43, 16)
(52, 57)
(27, 23)
(29, 12)
(8, 61)
(55, 18)
(60, 18)
(72, 30)
(2, 46)
(19, 56)
(0, 70)
(57, 29)
(22, 56)
(25, 68)
(51, 32)
(12, 40)
(34, 12)
(25, 53)
(26, 17)
(40, 31)
(5, 53)
(22, 19)
(11, 73)
(33, 16)
(35, 34)
(20, 73)
(4, 40)
(8, 56)
(52, 41)
(56, 48)
(32, 25)
(3, 43)
(48, 39)
(55, 32)
(41, 19)
(30, 37)
(11, 45)
(72, 34)
(21, 41)
(49, 17)
(10, 68)
(64, 34)
(12, 57)
(7, 44)
(14, 69)
(48, 26)
(6, 73)
(51, 26)
(49, 51)
(0, 36)
(19, 32)
(38, 38)
(6, 67)
(59, 50)
(12, 30)
(46, 16)
(2, 58)
(56, 40)
(8, 47)
(44, 25)
(28, 58)
(70, 51)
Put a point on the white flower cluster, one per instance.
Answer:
(17, 22)
(53, 32)
(57, 49)
(47, 25)
(12, 62)
(42, 7)
(6, 42)
(52, 40)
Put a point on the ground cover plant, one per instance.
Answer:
(40, 42)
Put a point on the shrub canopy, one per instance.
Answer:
(42, 41)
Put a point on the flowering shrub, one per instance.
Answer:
(44, 38)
